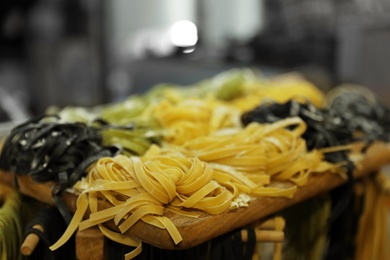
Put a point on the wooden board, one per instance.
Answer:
(206, 227)
(90, 244)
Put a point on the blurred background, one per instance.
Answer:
(90, 52)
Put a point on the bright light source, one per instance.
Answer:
(184, 33)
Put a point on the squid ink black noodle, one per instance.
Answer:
(48, 150)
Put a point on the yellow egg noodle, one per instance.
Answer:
(207, 173)
(207, 162)
(241, 89)
(184, 118)
(280, 88)
(188, 119)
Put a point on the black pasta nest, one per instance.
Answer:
(323, 130)
(48, 150)
(351, 115)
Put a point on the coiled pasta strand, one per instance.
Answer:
(189, 119)
(262, 152)
(207, 174)
(140, 189)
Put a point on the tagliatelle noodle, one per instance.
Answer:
(278, 91)
(99, 217)
(183, 120)
(196, 176)
(179, 132)
(281, 155)
(133, 203)
(82, 205)
(206, 173)
(189, 202)
(297, 131)
(172, 230)
(189, 109)
(278, 159)
(150, 183)
(222, 116)
(138, 214)
(261, 153)
(165, 182)
(298, 171)
(187, 184)
(188, 119)
(225, 173)
(241, 157)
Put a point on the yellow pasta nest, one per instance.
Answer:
(189, 119)
(207, 173)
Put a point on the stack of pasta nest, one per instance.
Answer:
(208, 148)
